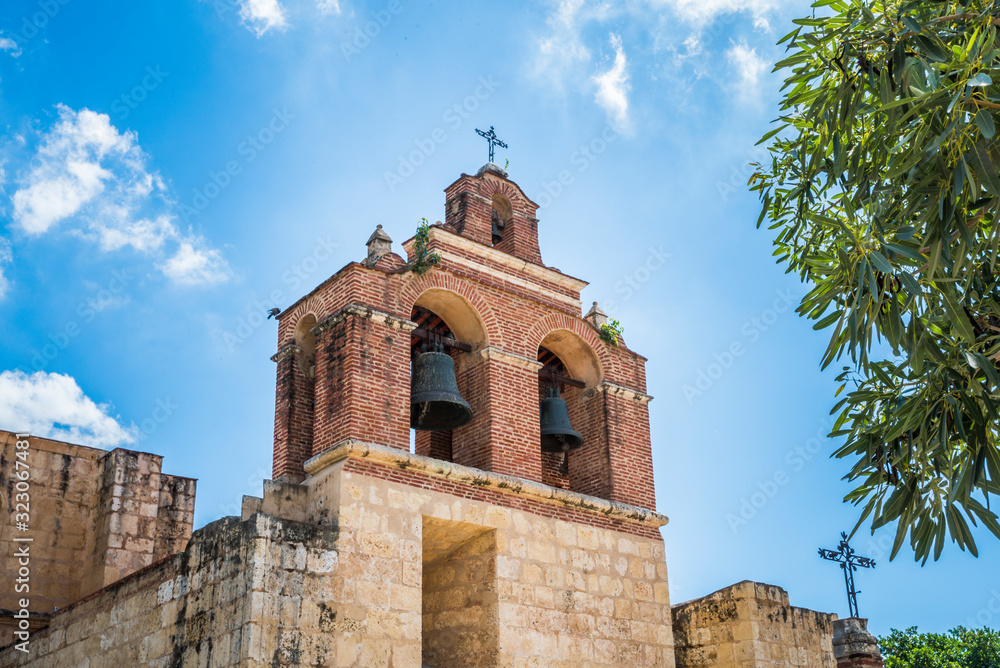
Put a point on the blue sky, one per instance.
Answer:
(170, 170)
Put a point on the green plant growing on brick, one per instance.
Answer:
(611, 332)
(423, 258)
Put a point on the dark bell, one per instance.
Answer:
(557, 433)
(435, 404)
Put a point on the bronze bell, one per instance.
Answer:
(435, 404)
(557, 433)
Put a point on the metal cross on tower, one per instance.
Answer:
(849, 562)
(491, 137)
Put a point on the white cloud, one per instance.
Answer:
(7, 44)
(562, 48)
(88, 175)
(52, 405)
(263, 15)
(702, 12)
(327, 7)
(6, 257)
(613, 86)
(68, 172)
(193, 264)
(749, 68)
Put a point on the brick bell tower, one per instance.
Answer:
(477, 548)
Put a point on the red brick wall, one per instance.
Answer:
(362, 384)
(293, 417)
(363, 364)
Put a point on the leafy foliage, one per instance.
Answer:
(959, 648)
(423, 258)
(884, 193)
(611, 331)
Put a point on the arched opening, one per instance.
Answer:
(444, 316)
(306, 341)
(500, 215)
(564, 354)
(301, 384)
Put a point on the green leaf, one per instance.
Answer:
(880, 262)
(984, 121)
(980, 79)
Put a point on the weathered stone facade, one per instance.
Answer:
(95, 516)
(476, 549)
(750, 624)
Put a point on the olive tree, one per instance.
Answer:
(884, 194)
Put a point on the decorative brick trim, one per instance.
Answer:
(493, 353)
(504, 484)
(286, 351)
(362, 311)
(628, 393)
(492, 255)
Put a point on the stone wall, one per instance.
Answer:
(751, 625)
(553, 584)
(94, 516)
(248, 594)
(460, 602)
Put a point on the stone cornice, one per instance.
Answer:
(508, 260)
(362, 311)
(286, 351)
(454, 259)
(504, 484)
(494, 353)
(612, 388)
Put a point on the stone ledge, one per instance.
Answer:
(286, 351)
(362, 311)
(626, 392)
(354, 449)
(494, 353)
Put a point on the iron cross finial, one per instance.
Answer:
(492, 138)
(849, 562)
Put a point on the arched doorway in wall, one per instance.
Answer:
(436, 444)
(445, 316)
(570, 364)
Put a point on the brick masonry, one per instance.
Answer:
(505, 303)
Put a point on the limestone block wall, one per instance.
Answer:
(94, 516)
(427, 562)
(751, 625)
(460, 602)
(245, 593)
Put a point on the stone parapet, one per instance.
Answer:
(853, 646)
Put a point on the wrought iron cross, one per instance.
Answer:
(849, 562)
(491, 137)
